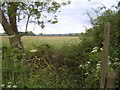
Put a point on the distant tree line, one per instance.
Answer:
(68, 34)
(30, 33)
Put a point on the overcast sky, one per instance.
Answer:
(71, 19)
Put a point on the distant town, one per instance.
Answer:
(30, 33)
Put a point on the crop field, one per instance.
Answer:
(55, 41)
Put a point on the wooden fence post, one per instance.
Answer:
(111, 77)
(0, 50)
(105, 54)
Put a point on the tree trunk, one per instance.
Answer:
(6, 25)
(15, 42)
(111, 77)
(11, 27)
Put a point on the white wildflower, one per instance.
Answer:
(99, 61)
(8, 86)
(80, 66)
(88, 62)
(98, 67)
(95, 49)
(2, 85)
(116, 59)
(86, 65)
(86, 73)
(9, 82)
(101, 49)
(98, 64)
(117, 63)
(109, 63)
(14, 86)
(32, 51)
(23, 54)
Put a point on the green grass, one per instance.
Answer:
(54, 66)
(16, 68)
(30, 42)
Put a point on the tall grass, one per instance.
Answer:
(52, 62)
(30, 42)
(44, 68)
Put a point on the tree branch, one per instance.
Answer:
(26, 25)
(12, 12)
(6, 25)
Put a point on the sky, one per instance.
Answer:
(71, 19)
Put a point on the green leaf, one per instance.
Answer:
(54, 22)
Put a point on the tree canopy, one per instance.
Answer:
(33, 12)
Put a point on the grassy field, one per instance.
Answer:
(45, 68)
(55, 41)
(67, 62)
(50, 62)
